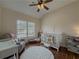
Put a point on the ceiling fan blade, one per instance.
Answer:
(33, 4)
(47, 1)
(38, 10)
(46, 7)
(41, 1)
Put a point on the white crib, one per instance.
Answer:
(8, 48)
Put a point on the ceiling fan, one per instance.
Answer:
(41, 4)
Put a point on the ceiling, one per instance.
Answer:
(22, 6)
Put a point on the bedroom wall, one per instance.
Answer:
(0, 20)
(65, 20)
(10, 17)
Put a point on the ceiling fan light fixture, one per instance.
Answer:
(40, 6)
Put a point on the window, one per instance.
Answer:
(21, 29)
(31, 29)
(25, 29)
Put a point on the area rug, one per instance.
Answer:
(37, 52)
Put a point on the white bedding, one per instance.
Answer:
(37, 52)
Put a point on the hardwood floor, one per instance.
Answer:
(62, 54)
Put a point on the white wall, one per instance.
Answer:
(0, 19)
(65, 19)
(10, 17)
